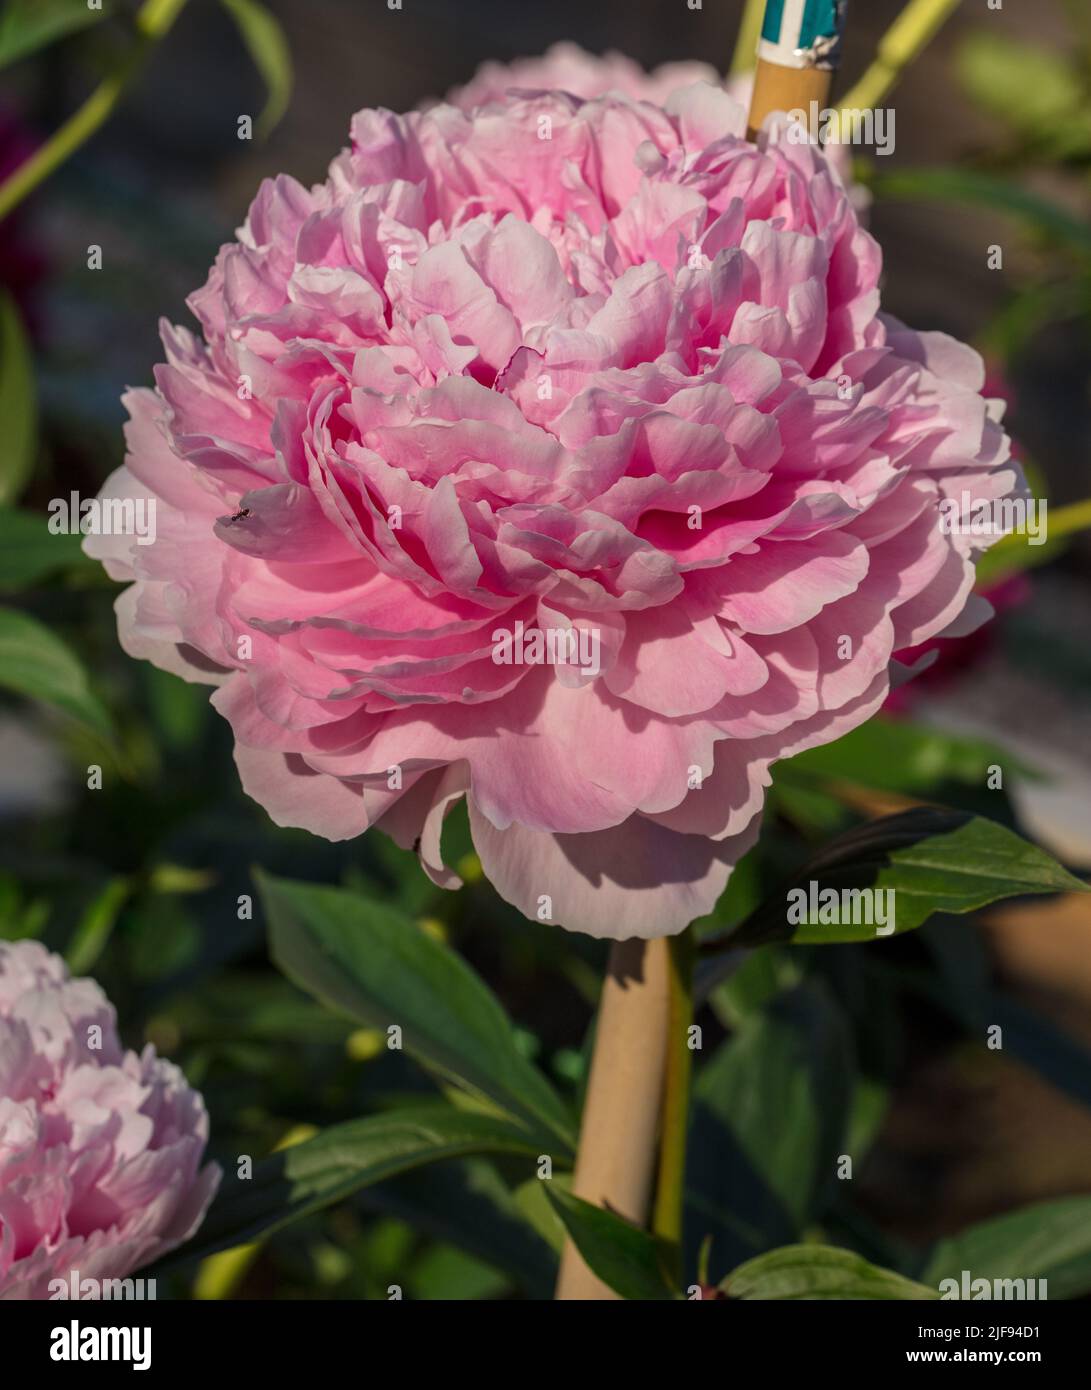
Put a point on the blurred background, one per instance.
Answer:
(139, 882)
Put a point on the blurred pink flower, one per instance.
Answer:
(570, 68)
(100, 1149)
(599, 371)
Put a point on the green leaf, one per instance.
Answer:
(238, 1005)
(895, 755)
(988, 190)
(296, 1181)
(779, 1094)
(36, 663)
(369, 961)
(1013, 326)
(467, 1204)
(18, 403)
(1022, 84)
(531, 1198)
(1047, 1240)
(759, 978)
(98, 921)
(27, 25)
(815, 812)
(19, 919)
(178, 709)
(163, 939)
(870, 1104)
(29, 551)
(443, 1272)
(742, 894)
(934, 860)
(621, 1254)
(267, 46)
(812, 1272)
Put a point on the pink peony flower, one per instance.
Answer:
(100, 1149)
(570, 68)
(593, 370)
(938, 663)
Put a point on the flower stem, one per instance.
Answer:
(153, 20)
(1011, 554)
(903, 42)
(617, 1150)
(1065, 521)
(746, 45)
(670, 1186)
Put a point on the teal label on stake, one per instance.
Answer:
(820, 21)
(802, 33)
(774, 15)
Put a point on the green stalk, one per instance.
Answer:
(153, 20)
(670, 1185)
(1065, 521)
(1011, 554)
(746, 45)
(903, 42)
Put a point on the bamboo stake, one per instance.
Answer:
(797, 54)
(617, 1151)
(616, 1161)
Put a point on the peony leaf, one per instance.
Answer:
(96, 924)
(771, 1114)
(369, 961)
(932, 859)
(267, 46)
(812, 1272)
(339, 1161)
(36, 663)
(28, 25)
(238, 1005)
(29, 552)
(18, 403)
(621, 1254)
(895, 755)
(1047, 1240)
(1022, 84)
(467, 1204)
(988, 190)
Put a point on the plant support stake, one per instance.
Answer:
(798, 52)
(617, 1151)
